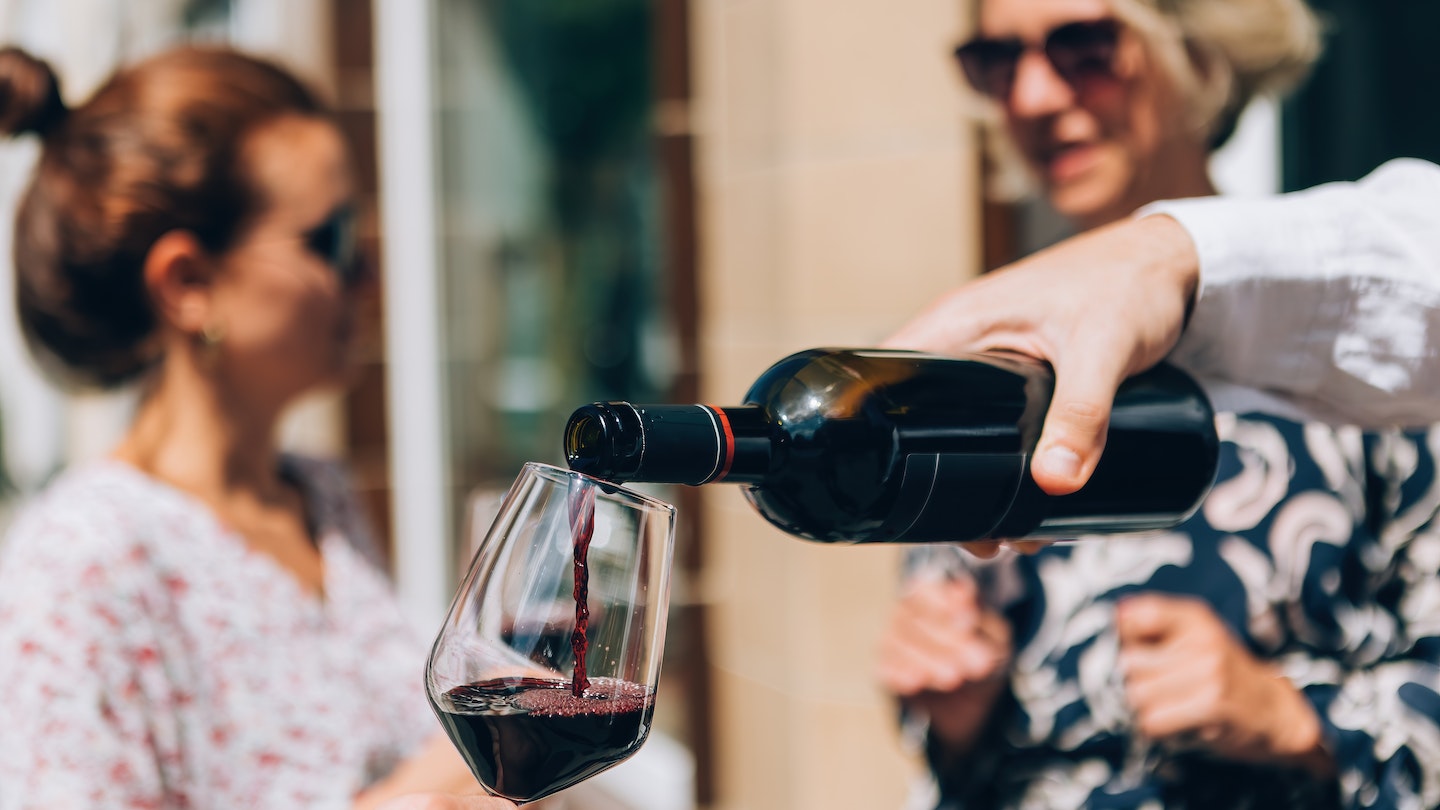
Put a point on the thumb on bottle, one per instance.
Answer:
(1075, 426)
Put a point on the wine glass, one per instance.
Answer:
(544, 673)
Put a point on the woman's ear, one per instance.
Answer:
(180, 276)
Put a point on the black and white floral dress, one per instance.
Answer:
(1318, 546)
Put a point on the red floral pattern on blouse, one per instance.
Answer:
(150, 659)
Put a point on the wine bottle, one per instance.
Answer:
(866, 445)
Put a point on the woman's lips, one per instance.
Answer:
(1070, 162)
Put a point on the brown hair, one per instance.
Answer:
(156, 149)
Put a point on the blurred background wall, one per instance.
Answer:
(574, 200)
(839, 191)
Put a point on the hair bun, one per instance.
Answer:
(29, 94)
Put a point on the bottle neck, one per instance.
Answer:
(669, 444)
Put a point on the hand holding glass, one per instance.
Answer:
(545, 671)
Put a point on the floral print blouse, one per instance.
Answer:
(150, 659)
(1318, 547)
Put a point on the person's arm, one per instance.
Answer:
(1379, 707)
(945, 657)
(1190, 681)
(1365, 729)
(1379, 725)
(437, 766)
(1099, 307)
(1328, 297)
(1354, 698)
(445, 801)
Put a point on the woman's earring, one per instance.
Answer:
(211, 336)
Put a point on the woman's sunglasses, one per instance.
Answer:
(334, 241)
(1078, 51)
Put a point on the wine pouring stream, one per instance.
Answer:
(582, 529)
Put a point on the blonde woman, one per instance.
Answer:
(1113, 104)
(1263, 653)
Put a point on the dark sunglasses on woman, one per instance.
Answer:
(1078, 51)
(334, 241)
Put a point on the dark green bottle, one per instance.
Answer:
(873, 446)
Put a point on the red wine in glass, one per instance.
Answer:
(537, 696)
(526, 738)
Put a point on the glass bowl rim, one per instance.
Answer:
(608, 490)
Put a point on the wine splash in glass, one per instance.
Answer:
(544, 673)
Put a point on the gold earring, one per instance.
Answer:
(212, 335)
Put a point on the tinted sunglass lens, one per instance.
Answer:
(1083, 49)
(334, 241)
(989, 65)
(343, 257)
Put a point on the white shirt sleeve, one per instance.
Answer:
(1328, 298)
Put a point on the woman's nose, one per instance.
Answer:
(1038, 89)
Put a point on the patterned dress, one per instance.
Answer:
(150, 659)
(1318, 548)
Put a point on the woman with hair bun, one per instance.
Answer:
(1270, 652)
(199, 620)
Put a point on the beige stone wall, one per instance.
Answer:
(838, 193)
